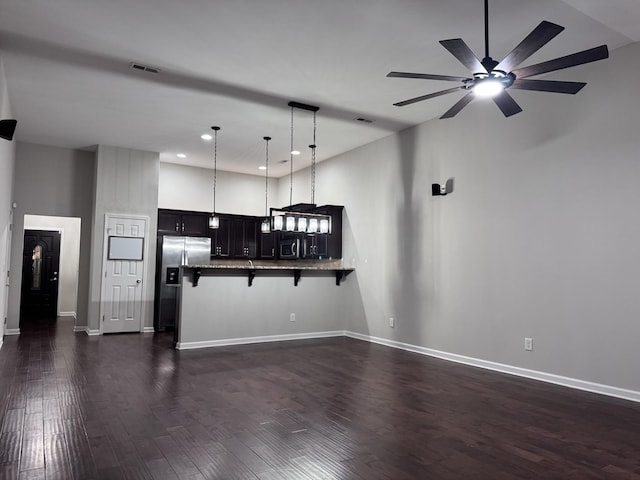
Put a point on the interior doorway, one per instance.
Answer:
(61, 300)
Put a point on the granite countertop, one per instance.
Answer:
(273, 265)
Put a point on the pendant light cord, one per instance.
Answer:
(266, 178)
(291, 163)
(215, 164)
(313, 162)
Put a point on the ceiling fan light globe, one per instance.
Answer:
(488, 88)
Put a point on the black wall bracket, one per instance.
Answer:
(438, 190)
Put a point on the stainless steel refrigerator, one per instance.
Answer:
(176, 251)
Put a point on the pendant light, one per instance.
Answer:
(214, 220)
(313, 222)
(290, 220)
(266, 223)
(304, 220)
(313, 225)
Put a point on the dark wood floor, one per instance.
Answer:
(129, 406)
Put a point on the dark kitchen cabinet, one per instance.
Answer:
(315, 246)
(244, 233)
(334, 239)
(177, 222)
(268, 243)
(221, 238)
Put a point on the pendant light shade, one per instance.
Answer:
(214, 220)
(325, 225)
(313, 226)
(278, 222)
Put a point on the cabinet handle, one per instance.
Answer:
(183, 226)
(177, 227)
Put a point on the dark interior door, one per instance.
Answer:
(40, 267)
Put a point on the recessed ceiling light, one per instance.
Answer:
(295, 152)
(206, 136)
(181, 155)
(262, 167)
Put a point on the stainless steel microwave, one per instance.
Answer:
(290, 248)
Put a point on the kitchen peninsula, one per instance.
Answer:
(216, 306)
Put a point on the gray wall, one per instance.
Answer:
(51, 181)
(191, 188)
(539, 239)
(125, 182)
(7, 160)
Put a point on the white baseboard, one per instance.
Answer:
(500, 367)
(85, 329)
(148, 330)
(12, 331)
(269, 338)
(68, 314)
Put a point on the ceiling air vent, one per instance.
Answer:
(144, 68)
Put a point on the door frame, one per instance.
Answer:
(145, 264)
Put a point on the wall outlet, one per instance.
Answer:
(392, 322)
(292, 317)
(528, 343)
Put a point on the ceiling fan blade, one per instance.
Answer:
(427, 97)
(7, 129)
(538, 38)
(463, 53)
(548, 86)
(507, 104)
(459, 105)
(579, 58)
(426, 76)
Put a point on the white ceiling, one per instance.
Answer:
(237, 63)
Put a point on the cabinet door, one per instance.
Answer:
(334, 239)
(315, 246)
(321, 246)
(221, 238)
(267, 245)
(237, 235)
(169, 222)
(251, 237)
(195, 224)
(245, 237)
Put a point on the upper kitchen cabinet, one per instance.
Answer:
(267, 243)
(221, 238)
(315, 246)
(178, 222)
(245, 237)
(334, 239)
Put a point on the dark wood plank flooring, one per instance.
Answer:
(131, 407)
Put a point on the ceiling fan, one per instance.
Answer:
(492, 79)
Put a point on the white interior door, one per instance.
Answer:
(124, 267)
